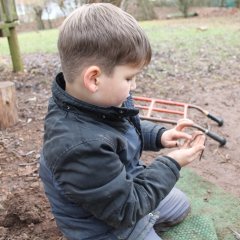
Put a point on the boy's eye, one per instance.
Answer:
(130, 78)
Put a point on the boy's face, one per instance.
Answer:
(115, 89)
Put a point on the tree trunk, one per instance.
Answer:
(48, 19)
(140, 9)
(115, 2)
(238, 3)
(8, 108)
(184, 7)
(93, 1)
(50, 23)
(222, 3)
(61, 5)
(38, 17)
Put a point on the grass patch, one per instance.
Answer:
(189, 37)
(33, 42)
(173, 34)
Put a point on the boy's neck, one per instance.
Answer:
(79, 93)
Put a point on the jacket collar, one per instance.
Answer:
(69, 103)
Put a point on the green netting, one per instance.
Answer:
(193, 228)
(214, 212)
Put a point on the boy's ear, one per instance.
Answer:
(90, 78)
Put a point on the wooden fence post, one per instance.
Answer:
(8, 22)
(15, 50)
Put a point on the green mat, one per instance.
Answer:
(214, 212)
(193, 228)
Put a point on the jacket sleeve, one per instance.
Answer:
(152, 133)
(92, 175)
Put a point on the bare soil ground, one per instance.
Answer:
(211, 84)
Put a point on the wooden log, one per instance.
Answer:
(8, 107)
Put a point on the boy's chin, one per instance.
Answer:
(121, 105)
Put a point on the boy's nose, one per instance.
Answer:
(133, 84)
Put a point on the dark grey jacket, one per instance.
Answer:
(90, 165)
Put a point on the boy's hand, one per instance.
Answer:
(170, 137)
(190, 150)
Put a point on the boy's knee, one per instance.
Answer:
(181, 198)
(182, 204)
(174, 208)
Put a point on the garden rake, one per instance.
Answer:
(151, 107)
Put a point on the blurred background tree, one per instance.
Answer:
(44, 11)
(115, 2)
(238, 3)
(184, 6)
(33, 10)
(140, 9)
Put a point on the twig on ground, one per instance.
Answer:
(236, 234)
(27, 164)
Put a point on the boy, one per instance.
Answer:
(90, 167)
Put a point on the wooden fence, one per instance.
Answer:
(8, 22)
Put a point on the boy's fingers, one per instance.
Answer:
(182, 123)
(183, 135)
(198, 138)
(178, 143)
(196, 150)
(172, 144)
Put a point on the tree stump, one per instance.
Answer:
(8, 107)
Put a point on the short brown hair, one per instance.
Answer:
(101, 34)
